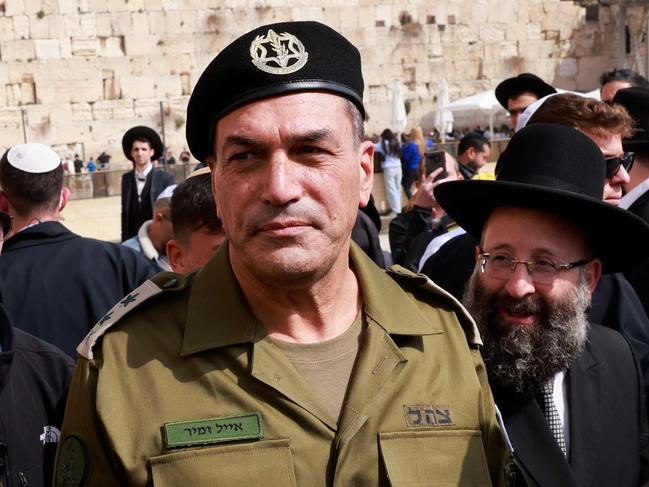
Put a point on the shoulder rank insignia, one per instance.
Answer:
(127, 304)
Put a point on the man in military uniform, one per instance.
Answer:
(290, 358)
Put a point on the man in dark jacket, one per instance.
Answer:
(544, 242)
(34, 379)
(54, 283)
(142, 185)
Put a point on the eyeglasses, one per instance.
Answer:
(542, 271)
(5, 223)
(613, 164)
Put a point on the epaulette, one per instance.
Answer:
(164, 281)
(406, 277)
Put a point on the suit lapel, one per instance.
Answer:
(533, 442)
(585, 416)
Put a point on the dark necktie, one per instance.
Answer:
(546, 401)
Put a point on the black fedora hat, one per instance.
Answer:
(559, 170)
(144, 132)
(271, 60)
(636, 102)
(523, 82)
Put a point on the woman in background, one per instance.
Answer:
(388, 145)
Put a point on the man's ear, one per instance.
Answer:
(366, 168)
(64, 198)
(593, 272)
(175, 256)
(4, 202)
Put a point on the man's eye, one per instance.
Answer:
(544, 264)
(500, 258)
(240, 156)
(310, 149)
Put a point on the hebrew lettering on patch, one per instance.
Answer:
(427, 415)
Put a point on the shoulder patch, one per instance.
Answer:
(420, 280)
(72, 463)
(127, 304)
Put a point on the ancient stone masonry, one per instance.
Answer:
(78, 73)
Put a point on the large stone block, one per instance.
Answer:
(81, 90)
(102, 110)
(85, 47)
(152, 6)
(72, 25)
(47, 49)
(492, 33)
(349, 18)
(18, 50)
(21, 27)
(104, 28)
(81, 111)
(140, 45)
(14, 7)
(97, 6)
(111, 46)
(137, 87)
(123, 110)
(121, 23)
(88, 24)
(33, 7)
(166, 86)
(148, 109)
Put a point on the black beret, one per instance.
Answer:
(271, 60)
(636, 102)
(146, 133)
(523, 82)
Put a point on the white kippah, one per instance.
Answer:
(33, 158)
(167, 192)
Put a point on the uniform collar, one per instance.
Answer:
(35, 235)
(218, 316)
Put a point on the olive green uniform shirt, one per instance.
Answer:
(418, 409)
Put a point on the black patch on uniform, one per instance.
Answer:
(73, 464)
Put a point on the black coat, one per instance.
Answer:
(156, 182)
(639, 275)
(56, 285)
(34, 379)
(607, 422)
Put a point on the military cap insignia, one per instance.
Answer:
(290, 54)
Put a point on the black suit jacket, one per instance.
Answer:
(158, 181)
(639, 275)
(608, 426)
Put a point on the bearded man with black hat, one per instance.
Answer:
(55, 284)
(517, 93)
(290, 358)
(142, 185)
(570, 393)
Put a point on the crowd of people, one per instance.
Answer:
(246, 328)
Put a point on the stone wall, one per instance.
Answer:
(81, 72)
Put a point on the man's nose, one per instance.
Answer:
(281, 184)
(520, 282)
(620, 177)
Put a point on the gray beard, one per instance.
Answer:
(524, 357)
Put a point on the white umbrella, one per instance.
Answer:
(443, 116)
(485, 101)
(399, 117)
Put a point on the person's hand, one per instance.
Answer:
(424, 196)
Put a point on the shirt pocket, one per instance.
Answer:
(435, 458)
(269, 462)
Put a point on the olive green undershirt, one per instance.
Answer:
(326, 366)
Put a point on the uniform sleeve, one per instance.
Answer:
(492, 436)
(84, 456)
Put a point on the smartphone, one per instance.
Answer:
(435, 160)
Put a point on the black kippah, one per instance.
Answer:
(268, 61)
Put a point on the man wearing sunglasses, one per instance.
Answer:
(570, 393)
(54, 283)
(636, 198)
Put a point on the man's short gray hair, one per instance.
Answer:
(358, 124)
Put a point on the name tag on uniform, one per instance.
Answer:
(214, 430)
